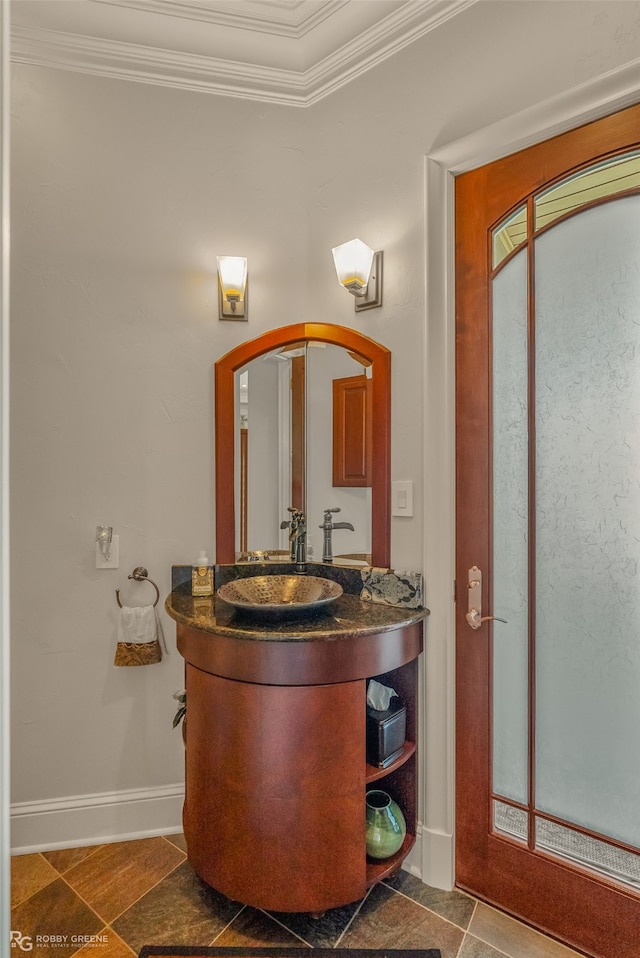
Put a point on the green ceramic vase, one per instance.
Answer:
(386, 826)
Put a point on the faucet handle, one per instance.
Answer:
(326, 521)
(298, 524)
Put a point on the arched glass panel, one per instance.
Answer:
(508, 235)
(595, 183)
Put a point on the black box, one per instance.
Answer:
(386, 732)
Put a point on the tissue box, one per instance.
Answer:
(386, 732)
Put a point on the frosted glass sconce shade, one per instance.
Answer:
(353, 262)
(232, 287)
(359, 270)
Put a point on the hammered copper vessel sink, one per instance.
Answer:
(273, 595)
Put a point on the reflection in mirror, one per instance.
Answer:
(269, 439)
(303, 419)
(326, 489)
(256, 435)
(282, 398)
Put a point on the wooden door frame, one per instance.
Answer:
(590, 101)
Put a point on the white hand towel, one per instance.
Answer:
(140, 636)
(137, 624)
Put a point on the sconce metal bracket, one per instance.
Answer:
(237, 310)
(373, 295)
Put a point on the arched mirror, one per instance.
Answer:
(283, 396)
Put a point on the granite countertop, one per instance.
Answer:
(347, 616)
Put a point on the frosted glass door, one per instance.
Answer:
(566, 535)
(588, 519)
(510, 532)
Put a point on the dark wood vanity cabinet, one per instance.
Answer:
(274, 812)
(276, 773)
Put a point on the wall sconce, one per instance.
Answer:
(104, 535)
(359, 270)
(232, 287)
(107, 548)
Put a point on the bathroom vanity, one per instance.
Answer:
(276, 768)
(276, 772)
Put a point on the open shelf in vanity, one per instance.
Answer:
(399, 779)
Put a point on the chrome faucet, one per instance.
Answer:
(297, 538)
(327, 527)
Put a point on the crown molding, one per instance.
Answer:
(380, 42)
(130, 61)
(185, 71)
(286, 20)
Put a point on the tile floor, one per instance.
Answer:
(128, 894)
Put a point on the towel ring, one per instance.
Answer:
(140, 574)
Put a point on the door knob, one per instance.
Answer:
(475, 620)
(474, 616)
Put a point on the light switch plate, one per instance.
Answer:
(114, 560)
(402, 497)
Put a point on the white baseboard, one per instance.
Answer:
(413, 861)
(77, 820)
(437, 863)
(431, 859)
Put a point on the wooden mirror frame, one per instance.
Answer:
(379, 357)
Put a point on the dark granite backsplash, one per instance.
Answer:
(384, 586)
(349, 579)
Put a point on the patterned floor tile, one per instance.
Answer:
(113, 947)
(29, 873)
(181, 910)
(117, 875)
(474, 948)
(254, 928)
(178, 840)
(54, 913)
(389, 920)
(323, 932)
(453, 905)
(512, 937)
(145, 892)
(63, 859)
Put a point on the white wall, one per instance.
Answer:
(123, 195)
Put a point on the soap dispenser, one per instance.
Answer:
(202, 576)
